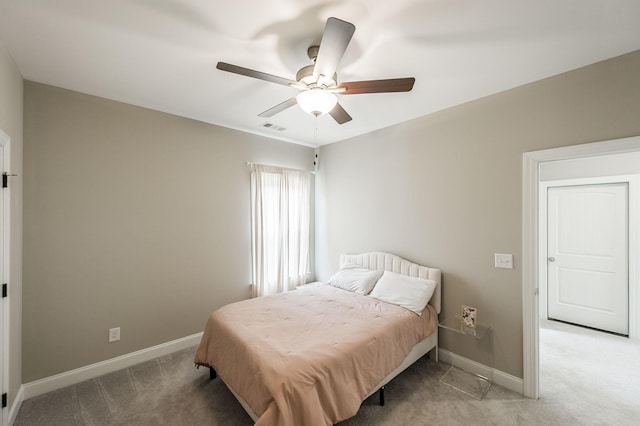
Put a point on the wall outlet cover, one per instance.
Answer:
(114, 334)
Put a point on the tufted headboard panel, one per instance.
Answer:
(390, 262)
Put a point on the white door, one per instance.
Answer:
(588, 280)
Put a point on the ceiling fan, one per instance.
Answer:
(318, 83)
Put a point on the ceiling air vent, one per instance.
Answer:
(272, 126)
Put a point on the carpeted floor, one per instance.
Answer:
(597, 374)
(587, 378)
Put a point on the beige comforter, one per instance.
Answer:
(309, 356)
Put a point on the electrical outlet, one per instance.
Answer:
(504, 261)
(114, 334)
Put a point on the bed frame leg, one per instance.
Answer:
(382, 396)
(212, 373)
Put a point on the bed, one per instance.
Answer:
(313, 355)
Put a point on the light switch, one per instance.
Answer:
(504, 260)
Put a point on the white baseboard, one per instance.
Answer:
(48, 384)
(498, 377)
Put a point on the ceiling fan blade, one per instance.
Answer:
(335, 39)
(278, 108)
(339, 114)
(377, 86)
(255, 74)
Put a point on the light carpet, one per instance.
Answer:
(587, 378)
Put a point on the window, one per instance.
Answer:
(279, 228)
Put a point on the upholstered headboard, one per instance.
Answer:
(390, 262)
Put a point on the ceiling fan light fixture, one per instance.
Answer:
(316, 101)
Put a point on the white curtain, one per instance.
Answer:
(279, 228)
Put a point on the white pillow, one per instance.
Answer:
(357, 280)
(408, 292)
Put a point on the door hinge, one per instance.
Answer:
(4, 400)
(4, 290)
(5, 179)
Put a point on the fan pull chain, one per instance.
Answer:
(315, 131)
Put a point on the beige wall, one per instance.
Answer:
(139, 219)
(445, 190)
(11, 124)
(133, 219)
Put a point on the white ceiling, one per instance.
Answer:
(161, 54)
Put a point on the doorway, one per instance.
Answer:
(531, 248)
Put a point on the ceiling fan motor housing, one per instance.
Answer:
(305, 76)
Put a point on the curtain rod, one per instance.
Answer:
(250, 164)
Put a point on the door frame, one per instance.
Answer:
(531, 245)
(633, 209)
(6, 247)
